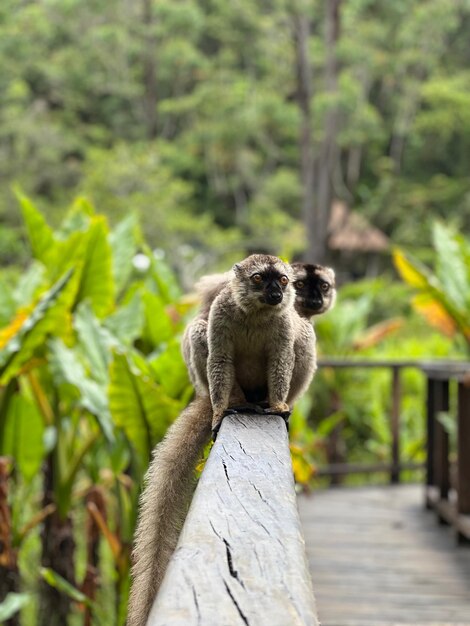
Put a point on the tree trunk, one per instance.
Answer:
(9, 574)
(326, 158)
(150, 70)
(307, 155)
(57, 554)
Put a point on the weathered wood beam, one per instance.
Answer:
(241, 555)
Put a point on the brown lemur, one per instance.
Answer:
(315, 294)
(244, 349)
(315, 288)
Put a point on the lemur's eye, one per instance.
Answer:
(257, 278)
(299, 284)
(284, 281)
(325, 287)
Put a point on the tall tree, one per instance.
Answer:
(150, 69)
(307, 151)
(328, 153)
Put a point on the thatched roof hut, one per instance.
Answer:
(351, 232)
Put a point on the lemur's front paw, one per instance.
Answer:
(278, 408)
(282, 409)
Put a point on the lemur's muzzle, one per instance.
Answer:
(315, 303)
(274, 297)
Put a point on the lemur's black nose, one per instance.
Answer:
(274, 297)
(315, 303)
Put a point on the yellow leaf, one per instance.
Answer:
(408, 271)
(377, 333)
(435, 314)
(8, 332)
(303, 470)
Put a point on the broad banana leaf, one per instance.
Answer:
(30, 331)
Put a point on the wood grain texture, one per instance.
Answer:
(241, 556)
(378, 558)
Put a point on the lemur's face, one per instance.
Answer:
(314, 287)
(264, 280)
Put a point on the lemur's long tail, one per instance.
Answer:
(163, 504)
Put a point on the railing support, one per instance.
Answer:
(395, 426)
(241, 556)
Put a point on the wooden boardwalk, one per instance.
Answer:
(377, 558)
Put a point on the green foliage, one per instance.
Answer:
(91, 375)
(352, 406)
(187, 115)
(12, 604)
(443, 293)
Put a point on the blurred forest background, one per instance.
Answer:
(144, 143)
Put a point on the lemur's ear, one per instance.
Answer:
(237, 269)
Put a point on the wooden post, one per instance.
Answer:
(241, 555)
(463, 456)
(441, 440)
(430, 440)
(396, 395)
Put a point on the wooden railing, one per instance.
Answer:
(241, 555)
(394, 466)
(447, 494)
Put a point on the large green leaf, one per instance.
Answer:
(170, 370)
(123, 241)
(95, 341)
(40, 234)
(7, 304)
(77, 217)
(97, 283)
(93, 396)
(450, 265)
(30, 283)
(138, 405)
(412, 272)
(163, 278)
(48, 316)
(127, 322)
(127, 407)
(158, 325)
(23, 435)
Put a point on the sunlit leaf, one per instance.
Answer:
(48, 316)
(163, 278)
(40, 234)
(127, 408)
(97, 282)
(23, 435)
(450, 265)
(435, 314)
(303, 470)
(123, 241)
(170, 370)
(31, 281)
(158, 325)
(329, 423)
(13, 603)
(58, 582)
(77, 217)
(8, 304)
(95, 341)
(377, 333)
(411, 272)
(93, 396)
(127, 322)
(138, 405)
